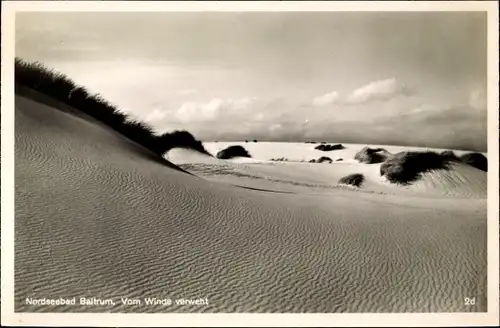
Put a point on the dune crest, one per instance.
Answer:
(33, 78)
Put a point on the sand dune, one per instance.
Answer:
(460, 181)
(305, 151)
(97, 217)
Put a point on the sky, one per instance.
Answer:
(399, 78)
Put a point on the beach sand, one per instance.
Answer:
(97, 217)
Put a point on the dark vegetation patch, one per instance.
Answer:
(323, 159)
(233, 151)
(355, 179)
(280, 159)
(406, 167)
(179, 139)
(325, 147)
(449, 155)
(477, 160)
(59, 87)
(371, 155)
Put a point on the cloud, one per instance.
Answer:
(382, 90)
(451, 124)
(454, 126)
(206, 111)
(326, 99)
(155, 115)
(426, 108)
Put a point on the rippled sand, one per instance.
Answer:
(97, 217)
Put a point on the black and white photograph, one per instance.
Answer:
(249, 161)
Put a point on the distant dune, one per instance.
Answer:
(297, 174)
(98, 215)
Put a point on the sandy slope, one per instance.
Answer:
(95, 217)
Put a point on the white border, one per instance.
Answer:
(296, 320)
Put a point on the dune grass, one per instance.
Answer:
(324, 159)
(59, 87)
(279, 159)
(179, 139)
(406, 167)
(326, 147)
(477, 160)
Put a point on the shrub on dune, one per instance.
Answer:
(450, 156)
(406, 167)
(280, 159)
(371, 155)
(479, 161)
(233, 151)
(312, 161)
(355, 179)
(179, 139)
(255, 141)
(323, 159)
(325, 147)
